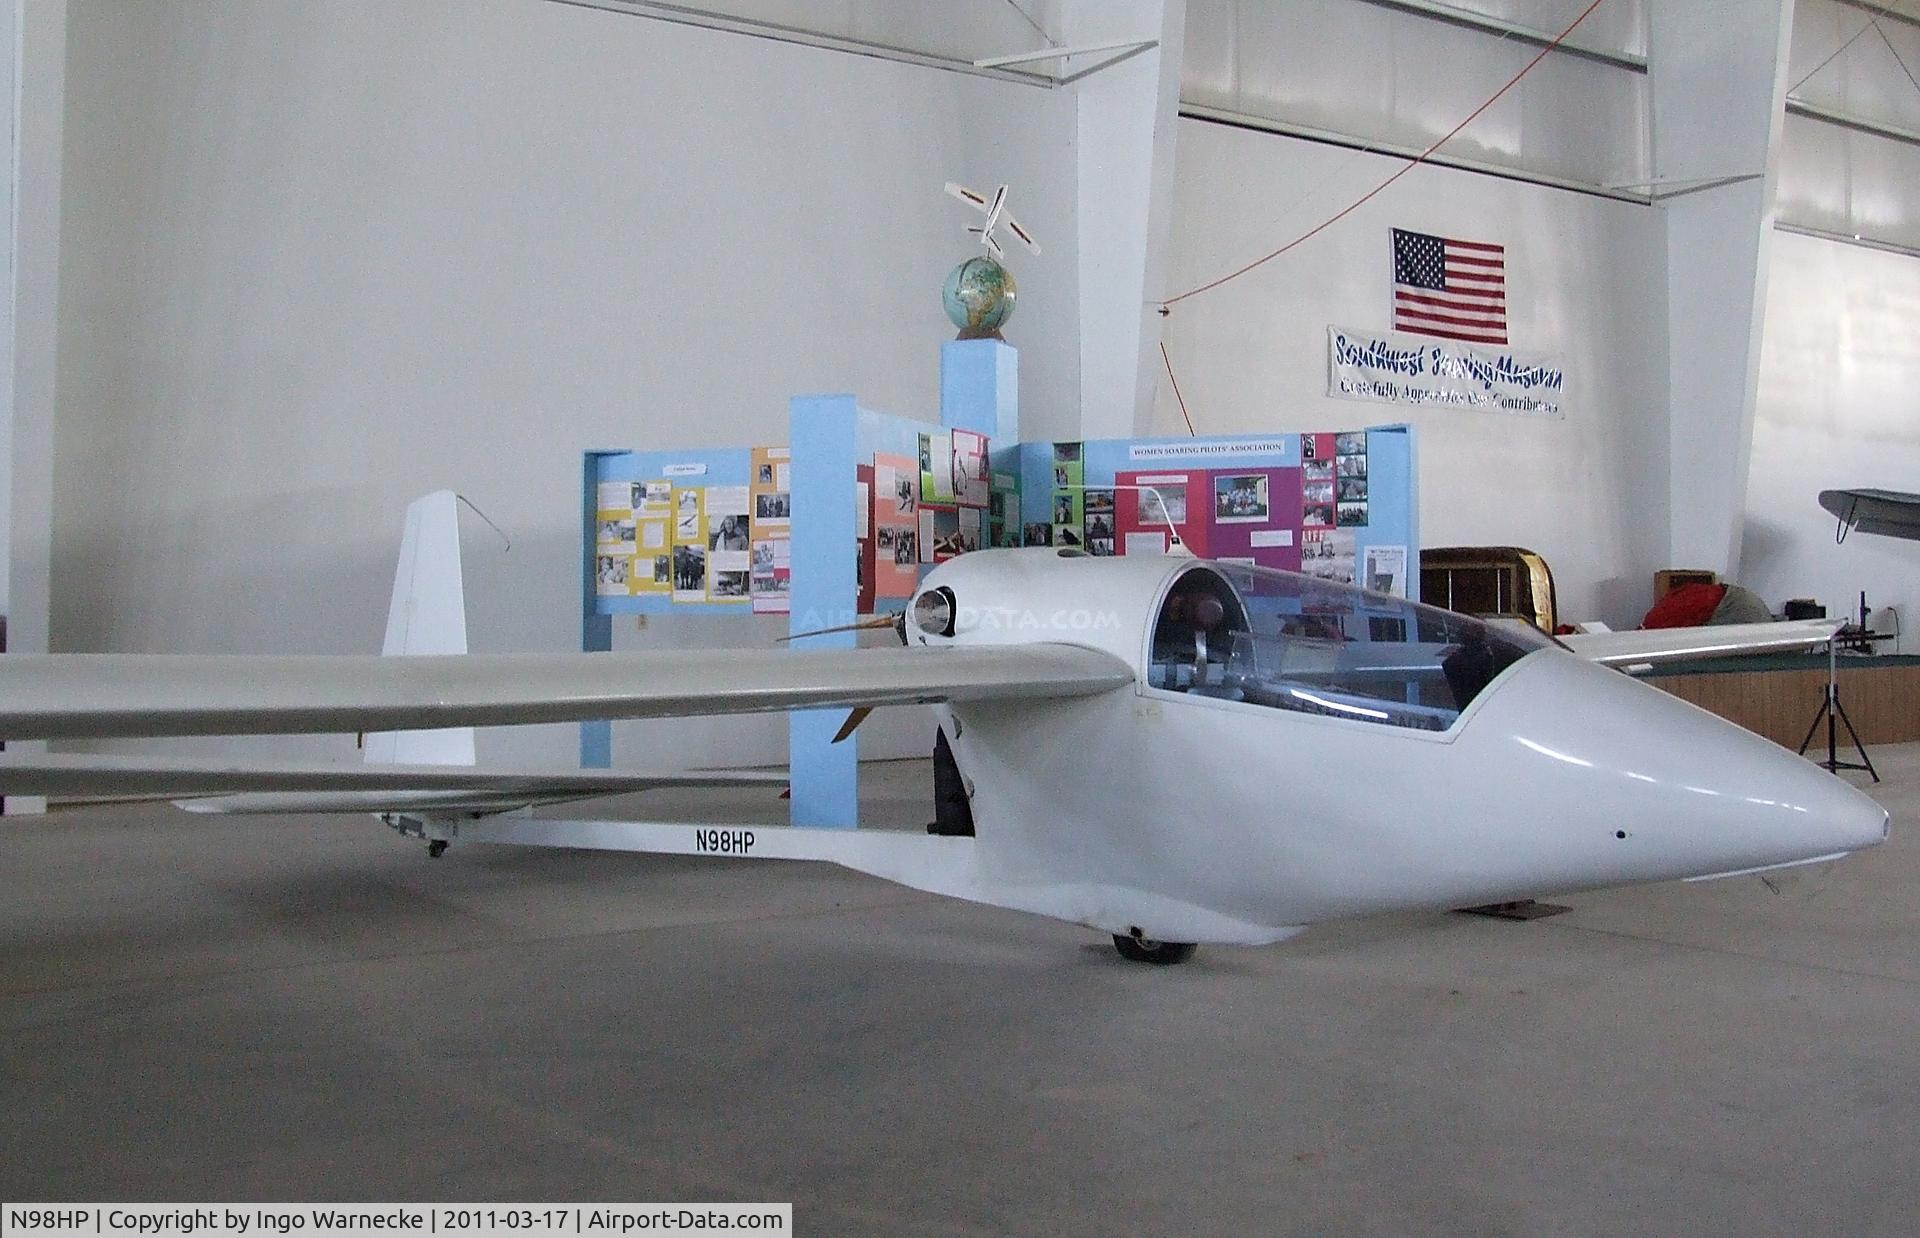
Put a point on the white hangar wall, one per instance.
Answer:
(321, 257)
(1839, 407)
(1586, 281)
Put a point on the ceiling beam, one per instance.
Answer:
(706, 19)
(1852, 120)
(1396, 150)
(1882, 10)
(1453, 15)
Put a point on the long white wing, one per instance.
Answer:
(60, 696)
(1681, 644)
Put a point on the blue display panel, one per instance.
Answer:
(843, 522)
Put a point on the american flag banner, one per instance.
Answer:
(1453, 289)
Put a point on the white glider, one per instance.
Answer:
(995, 209)
(1170, 750)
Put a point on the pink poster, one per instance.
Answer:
(1255, 515)
(1178, 498)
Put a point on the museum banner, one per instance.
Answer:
(1398, 369)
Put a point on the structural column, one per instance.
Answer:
(1718, 83)
(35, 49)
(1127, 115)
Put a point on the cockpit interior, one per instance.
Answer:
(1286, 641)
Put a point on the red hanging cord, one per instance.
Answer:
(1167, 305)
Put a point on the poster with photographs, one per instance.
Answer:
(771, 586)
(1350, 479)
(1241, 498)
(654, 542)
(1068, 512)
(1328, 555)
(1317, 500)
(895, 512)
(615, 497)
(617, 533)
(936, 468)
(940, 538)
(652, 499)
(863, 569)
(770, 525)
(971, 485)
(1152, 505)
(1068, 467)
(1100, 518)
(773, 507)
(1036, 535)
(972, 529)
(1003, 511)
(610, 574)
(1387, 570)
(690, 573)
(1165, 503)
(689, 524)
(729, 542)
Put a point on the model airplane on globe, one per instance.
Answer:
(995, 209)
(1168, 749)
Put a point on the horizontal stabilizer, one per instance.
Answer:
(77, 695)
(1654, 645)
(1890, 513)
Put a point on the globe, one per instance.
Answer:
(979, 298)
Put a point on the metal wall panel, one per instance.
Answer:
(1378, 73)
(1839, 180)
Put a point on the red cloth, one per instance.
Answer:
(1689, 606)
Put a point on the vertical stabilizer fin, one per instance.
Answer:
(428, 615)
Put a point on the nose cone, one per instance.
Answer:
(1650, 787)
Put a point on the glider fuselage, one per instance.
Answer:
(1198, 811)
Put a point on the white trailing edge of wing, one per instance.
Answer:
(1658, 645)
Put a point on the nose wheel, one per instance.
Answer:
(436, 848)
(1140, 949)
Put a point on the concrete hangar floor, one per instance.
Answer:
(284, 1009)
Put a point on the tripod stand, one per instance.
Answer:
(1831, 709)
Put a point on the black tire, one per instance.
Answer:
(436, 848)
(1160, 953)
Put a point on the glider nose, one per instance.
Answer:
(1669, 789)
(1857, 820)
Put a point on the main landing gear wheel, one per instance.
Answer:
(436, 848)
(1145, 950)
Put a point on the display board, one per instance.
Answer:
(703, 531)
(847, 520)
(1337, 505)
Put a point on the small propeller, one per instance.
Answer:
(873, 623)
(854, 718)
